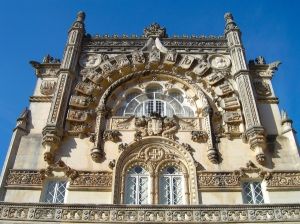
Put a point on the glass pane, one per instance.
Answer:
(143, 191)
(171, 187)
(56, 191)
(137, 186)
(130, 196)
(159, 107)
(177, 190)
(149, 107)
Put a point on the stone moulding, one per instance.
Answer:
(41, 99)
(101, 180)
(71, 213)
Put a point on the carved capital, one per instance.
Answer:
(97, 154)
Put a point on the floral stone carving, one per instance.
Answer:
(47, 87)
(199, 136)
(111, 135)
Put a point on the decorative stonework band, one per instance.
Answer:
(47, 213)
(206, 180)
(85, 179)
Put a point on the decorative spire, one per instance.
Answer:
(80, 16)
(154, 30)
(79, 23)
(286, 122)
(230, 24)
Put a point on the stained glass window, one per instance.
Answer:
(137, 186)
(55, 191)
(171, 187)
(252, 193)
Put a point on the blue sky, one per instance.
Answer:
(31, 29)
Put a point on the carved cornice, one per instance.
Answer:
(70, 213)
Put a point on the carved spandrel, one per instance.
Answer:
(189, 124)
(121, 123)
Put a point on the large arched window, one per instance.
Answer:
(171, 187)
(137, 186)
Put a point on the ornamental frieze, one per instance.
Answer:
(70, 213)
(82, 179)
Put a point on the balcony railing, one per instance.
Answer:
(79, 213)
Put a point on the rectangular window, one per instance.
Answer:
(252, 193)
(55, 192)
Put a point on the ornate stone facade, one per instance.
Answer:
(154, 121)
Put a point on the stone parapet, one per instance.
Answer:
(71, 213)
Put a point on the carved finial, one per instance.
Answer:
(230, 24)
(286, 122)
(23, 120)
(273, 67)
(154, 30)
(260, 60)
(80, 16)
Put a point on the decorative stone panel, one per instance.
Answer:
(69, 213)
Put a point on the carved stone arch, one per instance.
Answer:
(173, 152)
(200, 92)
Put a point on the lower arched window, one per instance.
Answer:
(171, 187)
(137, 186)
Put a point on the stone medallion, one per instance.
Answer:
(219, 62)
(90, 60)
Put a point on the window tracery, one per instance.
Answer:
(154, 99)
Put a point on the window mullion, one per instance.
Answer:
(253, 193)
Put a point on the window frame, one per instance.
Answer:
(171, 177)
(253, 192)
(138, 178)
(46, 187)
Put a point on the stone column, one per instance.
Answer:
(212, 152)
(97, 152)
(254, 133)
(53, 131)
